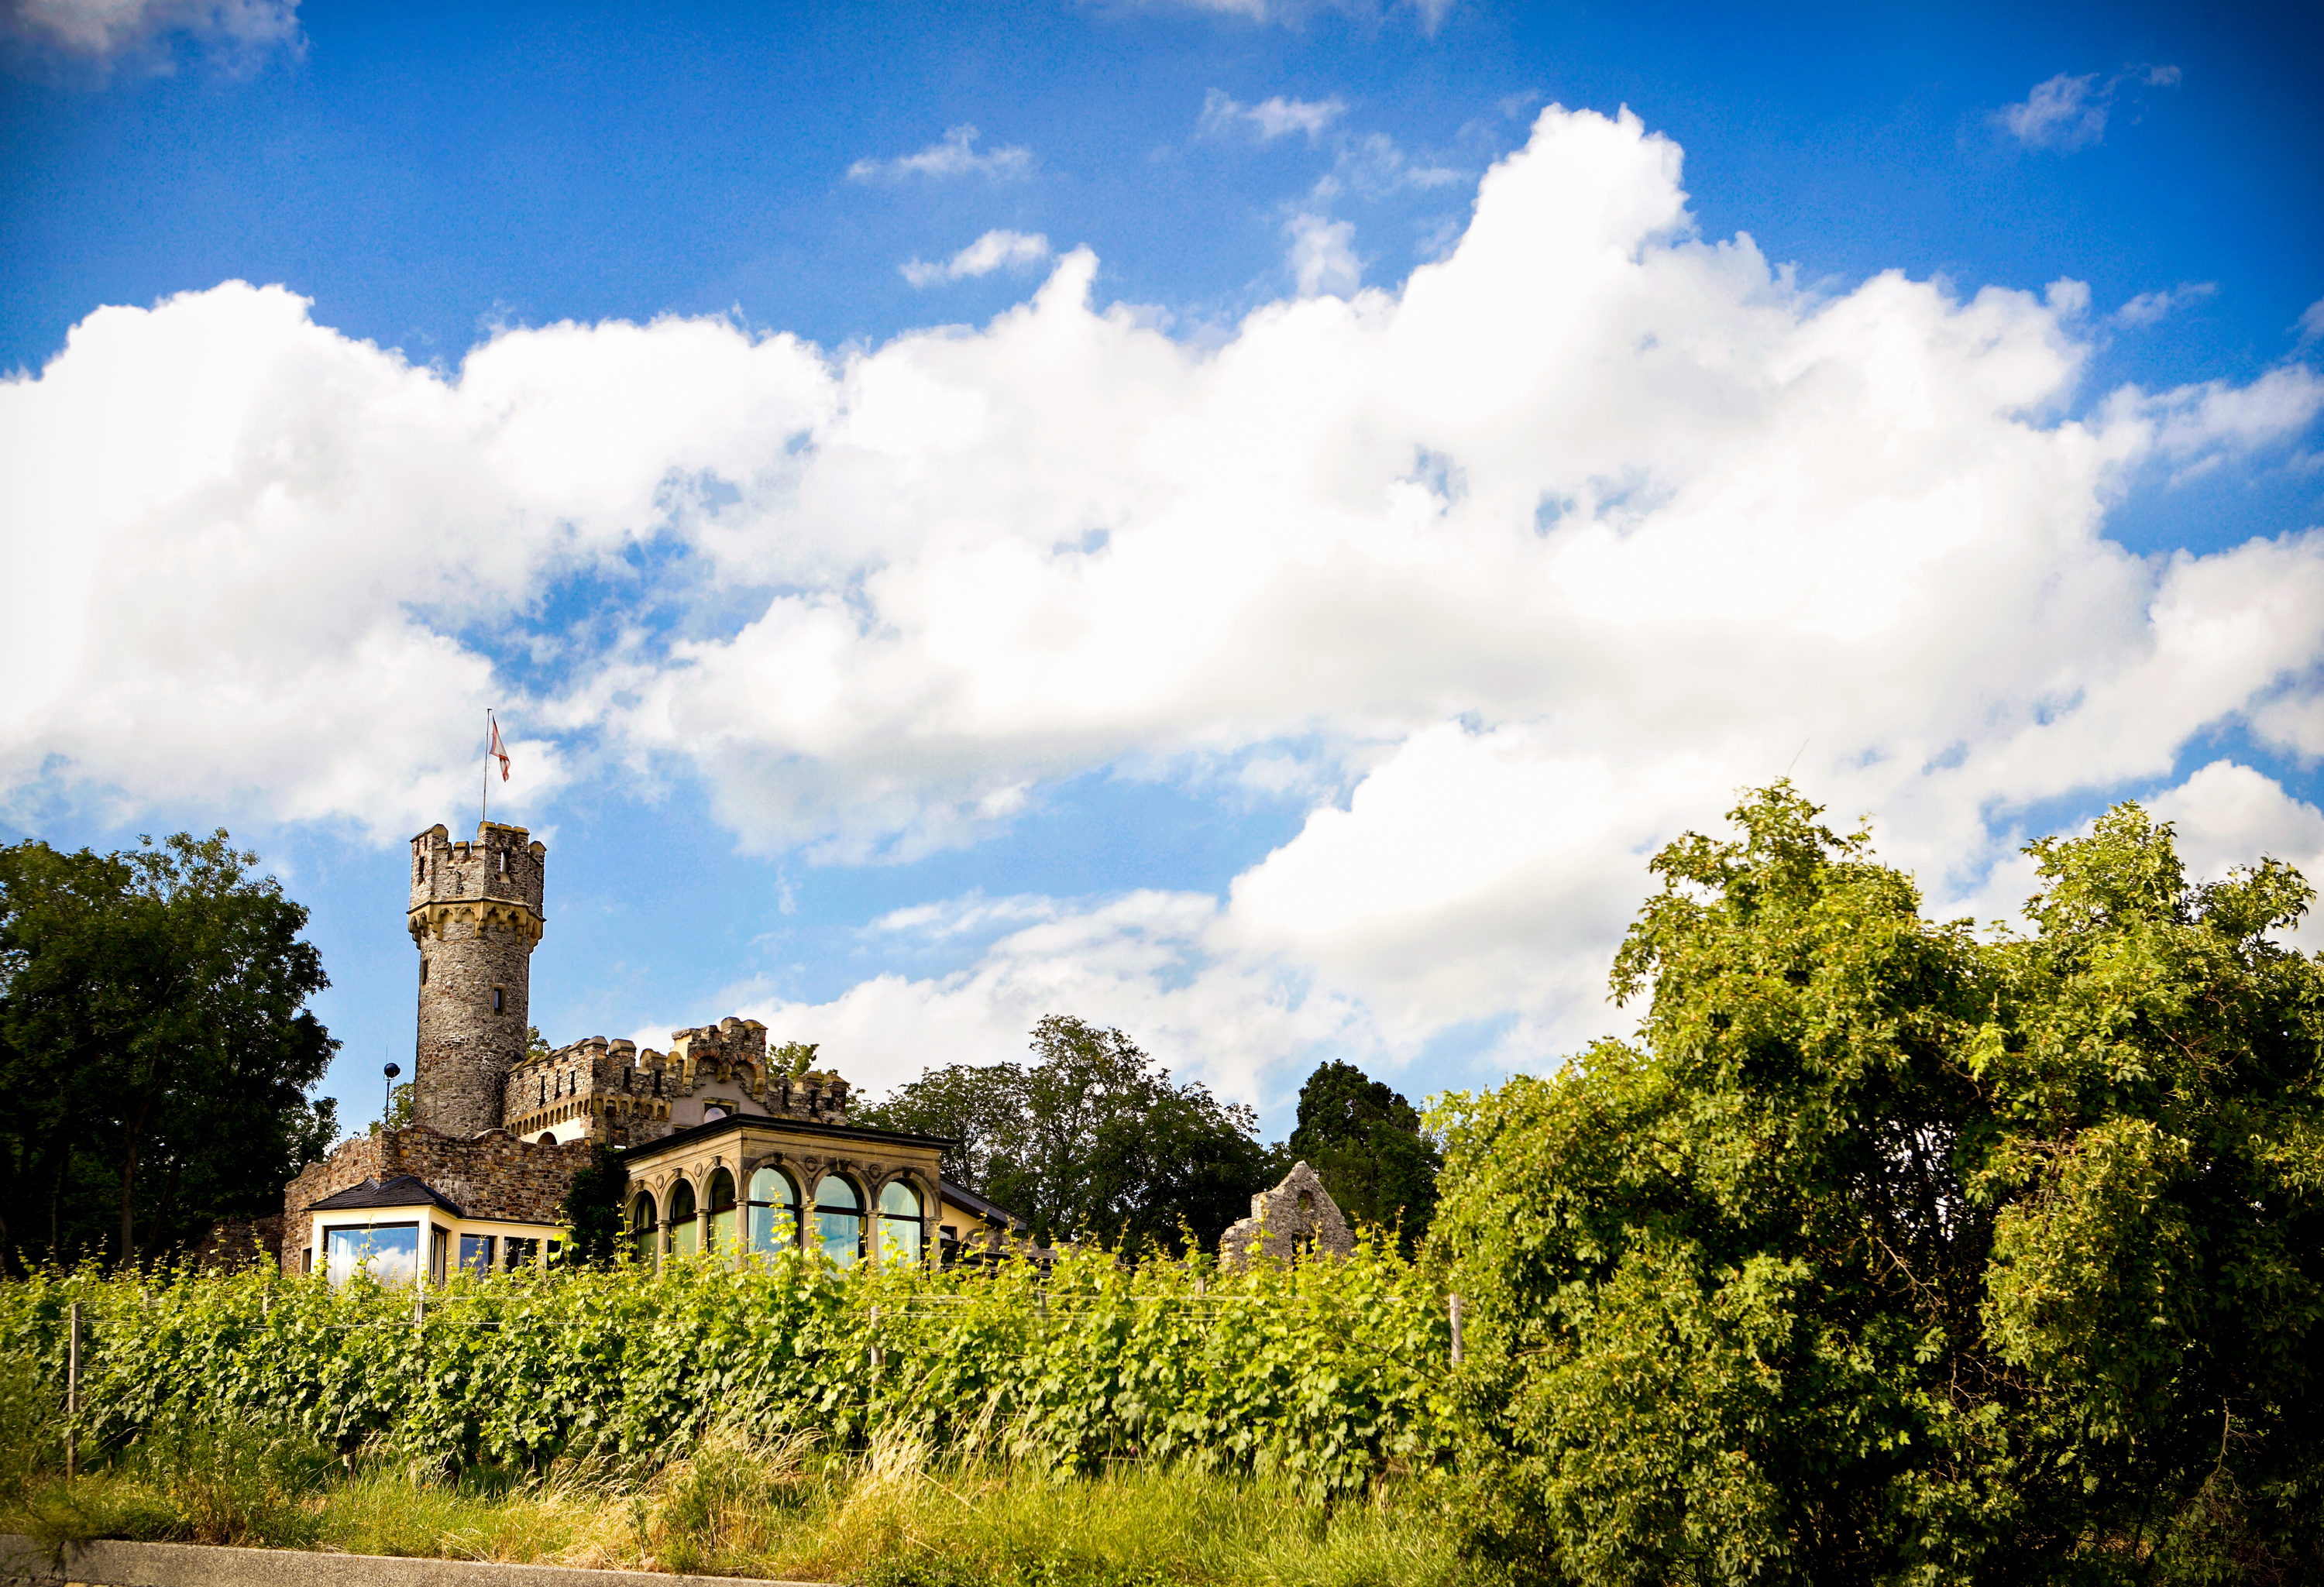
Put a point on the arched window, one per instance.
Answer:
(642, 1233)
(774, 1210)
(681, 1218)
(839, 1220)
(712, 1112)
(899, 1223)
(721, 1210)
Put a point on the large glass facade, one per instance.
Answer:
(774, 1210)
(839, 1220)
(721, 1211)
(390, 1252)
(644, 1236)
(683, 1235)
(899, 1223)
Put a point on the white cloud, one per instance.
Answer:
(2228, 816)
(988, 253)
(954, 155)
(2068, 113)
(1322, 257)
(2151, 308)
(1269, 119)
(1536, 560)
(2312, 322)
(236, 34)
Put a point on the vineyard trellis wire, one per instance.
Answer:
(1331, 1374)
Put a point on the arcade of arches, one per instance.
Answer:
(743, 1185)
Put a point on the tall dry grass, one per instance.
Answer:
(896, 1514)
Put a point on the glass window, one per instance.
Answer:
(839, 1220)
(390, 1252)
(476, 1254)
(440, 1242)
(721, 1210)
(682, 1231)
(774, 1210)
(643, 1235)
(899, 1223)
(523, 1252)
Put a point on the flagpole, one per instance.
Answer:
(484, 805)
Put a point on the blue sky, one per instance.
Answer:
(1246, 523)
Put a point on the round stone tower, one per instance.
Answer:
(474, 916)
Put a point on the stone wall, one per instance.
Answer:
(628, 1097)
(489, 1176)
(476, 916)
(1297, 1215)
(237, 1242)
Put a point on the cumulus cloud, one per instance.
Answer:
(2153, 308)
(1269, 119)
(2312, 322)
(1322, 256)
(1509, 574)
(2227, 814)
(954, 155)
(988, 253)
(2068, 113)
(234, 34)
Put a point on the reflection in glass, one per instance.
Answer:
(899, 1223)
(683, 1235)
(522, 1252)
(475, 1253)
(774, 1210)
(641, 1228)
(839, 1220)
(721, 1210)
(389, 1252)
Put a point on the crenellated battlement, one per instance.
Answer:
(612, 1089)
(474, 910)
(496, 882)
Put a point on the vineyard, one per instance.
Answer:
(1326, 1377)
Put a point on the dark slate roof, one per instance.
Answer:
(980, 1206)
(404, 1190)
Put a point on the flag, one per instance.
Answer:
(496, 751)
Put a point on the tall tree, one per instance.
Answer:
(1093, 1140)
(1368, 1144)
(154, 1002)
(1885, 1252)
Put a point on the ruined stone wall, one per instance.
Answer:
(489, 1176)
(1298, 1214)
(476, 917)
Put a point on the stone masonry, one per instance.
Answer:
(1296, 1214)
(474, 915)
(630, 1097)
(491, 1176)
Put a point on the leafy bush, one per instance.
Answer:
(1890, 1253)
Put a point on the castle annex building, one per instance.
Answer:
(726, 1153)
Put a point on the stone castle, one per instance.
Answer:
(726, 1146)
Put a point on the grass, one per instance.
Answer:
(898, 1515)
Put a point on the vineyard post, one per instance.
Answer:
(72, 1390)
(1454, 1307)
(419, 1305)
